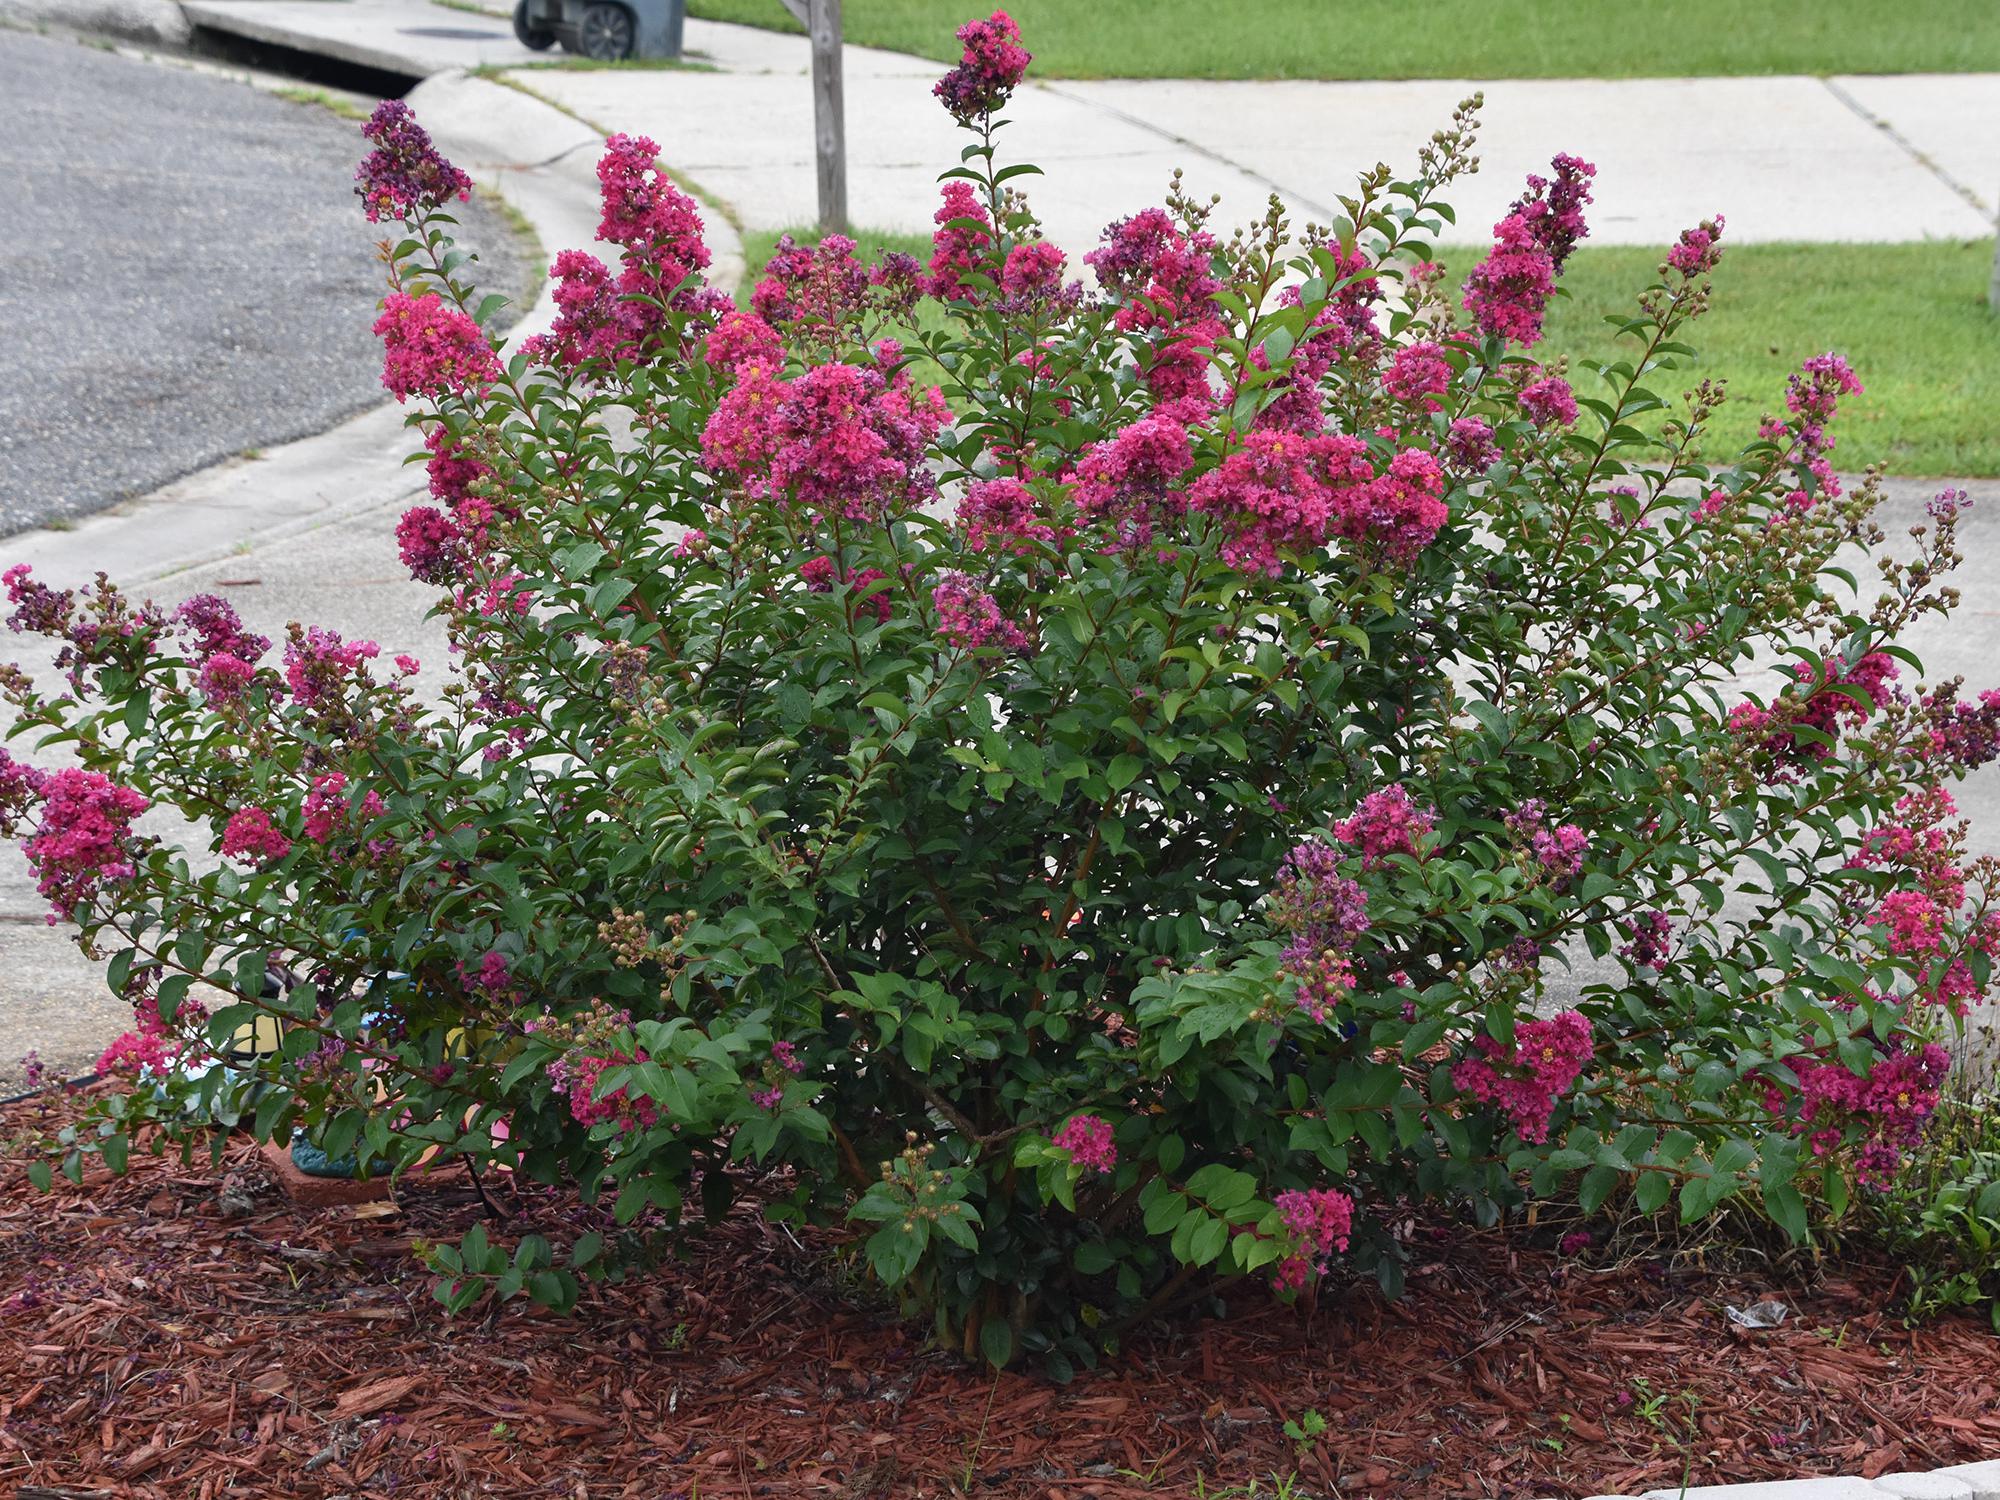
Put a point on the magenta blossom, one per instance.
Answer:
(992, 65)
(1525, 1081)
(433, 350)
(1385, 823)
(1087, 1139)
(253, 838)
(84, 839)
(1549, 402)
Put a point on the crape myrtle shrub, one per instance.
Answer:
(1103, 824)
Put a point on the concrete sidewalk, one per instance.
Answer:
(1785, 158)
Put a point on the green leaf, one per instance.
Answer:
(996, 1342)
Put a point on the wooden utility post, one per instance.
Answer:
(1993, 287)
(821, 19)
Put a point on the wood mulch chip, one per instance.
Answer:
(183, 1332)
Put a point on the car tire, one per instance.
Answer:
(607, 32)
(528, 34)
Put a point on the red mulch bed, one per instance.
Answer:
(163, 1334)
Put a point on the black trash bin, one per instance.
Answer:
(602, 30)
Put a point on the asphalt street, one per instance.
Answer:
(184, 274)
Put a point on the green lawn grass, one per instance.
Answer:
(1438, 38)
(1912, 319)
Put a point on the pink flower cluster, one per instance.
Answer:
(1323, 980)
(820, 576)
(1825, 708)
(1276, 494)
(1002, 514)
(1559, 850)
(150, 1049)
(1418, 373)
(1813, 396)
(1384, 823)
(1394, 516)
(1523, 1082)
(319, 665)
(1890, 1104)
(20, 793)
(253, 837)
(1915, 922)
(1919, 847)
(440, 546)
(658, 231)
(83, 840)
(1508, 292)
(969, 617)
(1128, 480)
(742, 339)
(1032, 274)
(840, 440)
(1698, 250)
(221, 651)
(327, 808)
(993, 63)
(404, 175)
(1087, 1139)
(576, 1075)
(961, 244)
(1549, 402)
(431, 349)
(1317, 1222)
(493, 981)
(784, 1060)
(211, 627)
(1164, 281)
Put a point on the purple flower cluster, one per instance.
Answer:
(969, 617)
(404, 175)
(1324, 912)
(1648, 934)
(818, 289)
(992, 65)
